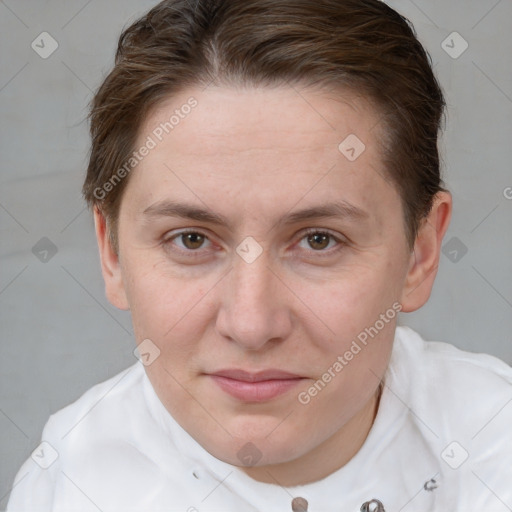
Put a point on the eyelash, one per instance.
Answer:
(309, 231)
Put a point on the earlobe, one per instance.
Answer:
(425, 256)
(110, 265)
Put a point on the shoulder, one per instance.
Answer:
(81, 436)
(458, 406)
(455, 395)
(455, 392)
(104, 414)
(102, 401)
(450, 368)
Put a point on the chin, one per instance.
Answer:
(259, 450)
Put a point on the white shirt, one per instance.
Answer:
(441, 441)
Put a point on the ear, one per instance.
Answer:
(426, 253)
(110, 266)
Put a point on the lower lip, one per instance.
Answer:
(255, 391)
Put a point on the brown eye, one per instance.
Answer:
(319, 241)
(186, 242)
(192, 240)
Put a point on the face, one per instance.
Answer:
(249, 242)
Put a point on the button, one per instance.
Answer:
(299, 505)
(372, 506)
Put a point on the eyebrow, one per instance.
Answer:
(341, 209)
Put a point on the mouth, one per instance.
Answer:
(255, 386)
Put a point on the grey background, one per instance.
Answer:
(59, 334)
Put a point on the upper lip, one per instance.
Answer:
(243, 375)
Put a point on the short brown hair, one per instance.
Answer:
(362, 45)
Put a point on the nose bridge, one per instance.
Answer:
(250, 311)
(252, 281)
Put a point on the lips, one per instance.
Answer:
(255, 386)
(246, 376)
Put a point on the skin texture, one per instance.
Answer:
(254, 155)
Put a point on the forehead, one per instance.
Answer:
(277, 118)
(272, 146)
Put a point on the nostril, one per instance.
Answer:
(299, 505)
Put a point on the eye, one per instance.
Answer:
(191, 241)
(319, 240)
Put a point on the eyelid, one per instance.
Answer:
(309, 231)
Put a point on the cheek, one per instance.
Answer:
(173, 312)
(157, 302)
(351, 300)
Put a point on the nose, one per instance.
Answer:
(254, 306)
